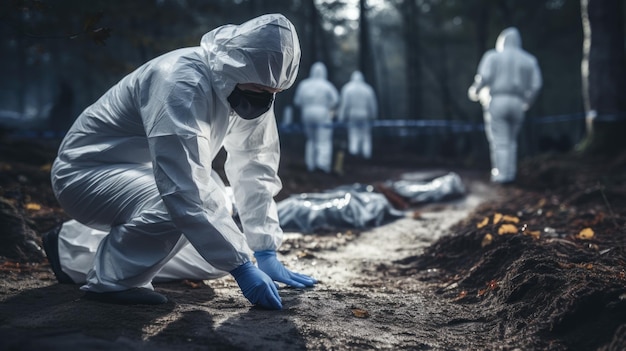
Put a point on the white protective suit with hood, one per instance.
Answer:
(136, 167)
(506, 84)
(317, 97)
(358, 108)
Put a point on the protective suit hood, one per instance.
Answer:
(509, 38)
(318, 70)
(357, 76)
(264, 50)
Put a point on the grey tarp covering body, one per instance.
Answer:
(359, 206)
(317, 97)
(419, 189)
(137, 163)
(349, 207)
(506, 84)
(358, 108)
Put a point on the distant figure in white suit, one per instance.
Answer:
(358, 108)
(506, 84)
(317, 98)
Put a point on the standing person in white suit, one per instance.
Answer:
(317, 98)
(135, 172)
(358, 108)
(506, 84)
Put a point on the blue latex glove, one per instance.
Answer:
(269, 264)
(257, 287)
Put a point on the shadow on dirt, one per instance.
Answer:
(56, 318)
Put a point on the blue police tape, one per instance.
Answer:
(428, 125)
(422, 126)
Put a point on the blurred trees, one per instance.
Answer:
(366, 62)
(421, 58)
(413, 50)
(604, 75)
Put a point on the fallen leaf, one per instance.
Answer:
(416, 215)
(461, 295)
(487, 240)
(535, 234)
(497, 217)
(585, 234)
(31, 206)
(304, 254)
(483, 223)
(360, 313)
(493, 285)
(507, 229)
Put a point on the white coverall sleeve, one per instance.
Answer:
(484, 76)
(179, 144)
(253, 156)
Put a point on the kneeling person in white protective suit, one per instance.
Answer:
(135, 171)
(358, 108)
(506, 84)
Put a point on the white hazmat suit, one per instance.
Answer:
(135, 169)
(358, 108)
(317, 98)
(506, 84)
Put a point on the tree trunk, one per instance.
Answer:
(365, 52)
(366, 61)
(310, 52)
(603, 76)
(413, 67)
(21, 68)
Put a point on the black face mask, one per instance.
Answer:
(250, 104)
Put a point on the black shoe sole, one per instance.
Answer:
(135, 296)
(51, 247)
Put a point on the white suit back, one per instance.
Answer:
(315, 95)
(508, 69)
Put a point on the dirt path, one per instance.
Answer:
(354, 307)
(399, 313)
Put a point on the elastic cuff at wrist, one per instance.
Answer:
(264, 253)
(239, 270)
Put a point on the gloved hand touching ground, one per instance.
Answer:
(269, 264)
(257, 286)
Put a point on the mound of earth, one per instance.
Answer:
(546, 259)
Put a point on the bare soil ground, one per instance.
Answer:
(536, 265)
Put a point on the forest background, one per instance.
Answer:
(420, 55)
